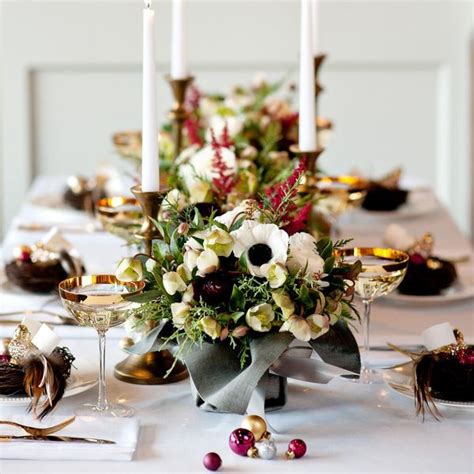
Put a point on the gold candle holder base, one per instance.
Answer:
(178, 112)
(149, 368)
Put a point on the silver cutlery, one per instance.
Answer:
(87, 228)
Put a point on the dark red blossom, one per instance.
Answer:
(192, 130)
(300, 220)
(282, 201)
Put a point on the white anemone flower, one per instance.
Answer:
(261, 244)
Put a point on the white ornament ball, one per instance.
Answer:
(266, 449)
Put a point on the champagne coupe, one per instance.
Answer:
(382, 271)
(97, 301)
(340, 194)
(120, 216)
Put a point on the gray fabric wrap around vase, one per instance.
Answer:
(220, 384)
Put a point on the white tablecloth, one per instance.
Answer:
(348, 427)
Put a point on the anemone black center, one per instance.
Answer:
(259, 254)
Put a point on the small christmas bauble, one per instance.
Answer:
(212, 461)
(296, 449)
(22, 253)
(266, 449)
(241, 440)
(255, 424)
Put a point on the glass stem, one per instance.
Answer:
(102, 402)
(366, 331)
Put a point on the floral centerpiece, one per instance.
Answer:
(235, 290)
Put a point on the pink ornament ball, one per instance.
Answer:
(297, 447)
(241, 440)
(212, 461)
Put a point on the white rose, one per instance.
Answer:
(260, 317)
(173, 283)
(303, 254)
(207, 262)
(180, 312)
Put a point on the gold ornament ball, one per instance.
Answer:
(255, 424)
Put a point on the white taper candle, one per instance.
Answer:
(315, 17)
(150, 159)
(307, 119)
(179, 68)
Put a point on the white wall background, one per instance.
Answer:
(396, 78)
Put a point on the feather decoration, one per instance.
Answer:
(45, 383)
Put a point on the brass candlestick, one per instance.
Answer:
(318, 88)
(150, 202)
(178, 112)
(149, 368)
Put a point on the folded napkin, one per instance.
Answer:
(124, 431)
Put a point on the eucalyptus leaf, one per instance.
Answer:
(237, 300)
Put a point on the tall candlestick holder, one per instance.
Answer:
(178, 112)
(308, 182)
(150, 368)
(318, 88)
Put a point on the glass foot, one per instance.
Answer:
(368, 376)
(118, 410)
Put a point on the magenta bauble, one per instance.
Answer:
(212, 461)
(241, 440)
(297, 447)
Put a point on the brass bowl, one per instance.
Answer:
(121, 216)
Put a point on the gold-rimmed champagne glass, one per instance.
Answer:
(339, 195)
(383, 269)
(98, 301)
(120, 216)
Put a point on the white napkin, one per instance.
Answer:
(397, 237)
(124, 431)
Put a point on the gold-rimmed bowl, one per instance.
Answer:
(128, 143)
(348, 191)
(119, 215)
